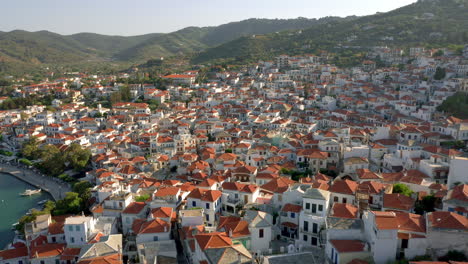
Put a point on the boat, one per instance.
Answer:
(29, 192)
(42, 202)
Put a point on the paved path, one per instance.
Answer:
(55, 187)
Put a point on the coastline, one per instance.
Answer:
(50, 185)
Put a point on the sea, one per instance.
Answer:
(13, 206)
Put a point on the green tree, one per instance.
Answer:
(53, 162)
(440, 73)
(402, 188)
(71, 204)
(125, 93)
(77, 157)
(427, 204)
(142, 198)
(30, 148)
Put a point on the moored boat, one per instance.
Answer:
(29, 192)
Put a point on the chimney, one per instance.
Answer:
(165, 229)
(230, 232)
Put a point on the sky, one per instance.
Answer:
(136, 17)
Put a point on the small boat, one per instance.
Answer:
(42, 202)
(29, 192)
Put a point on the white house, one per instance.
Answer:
(78, 230)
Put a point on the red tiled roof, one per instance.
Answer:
(108, 259)
(141, 226)
(14, 253)
(292, 208)
(134, 208)
(205, 195)
(213, 240)
(398, 201)
(447, 220)
(343, 210)
(344, 186)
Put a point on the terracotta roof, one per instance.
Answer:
(46, 250)
(279, 185)
(343, 210)
(459, 192)
(447, 220)
(234, 226)
(109, 259)
(398, 201)
(134, 208)
(213, 240)
(14, 253)
(367, 174)
(236, 186)
(162, 212)
(142, 226)
(385, 220)
(410, 222)
(205, 195)
(344, 186)
(167, 191)
(292, 208)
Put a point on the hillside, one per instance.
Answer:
(23, 50)
(428, 22)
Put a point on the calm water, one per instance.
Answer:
(13, 206)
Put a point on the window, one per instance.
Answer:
(314, 208)
(314, 228)
(306, 226)
(345, 200)
(42, 262)
(77, 228)
(404, 243)
(305, 238)
(155, 238)
(293, 215)
(320, 207)
(314, 241)
(194, 203)
(70, 228)
(57, 261)
(127, 220)
(260, 233)
(73, 240)
(335, 199)
(307, 206)
(54, 239)
(207, 217)
(207, 205)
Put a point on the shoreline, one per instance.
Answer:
(56, 189)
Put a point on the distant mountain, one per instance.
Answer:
(433, 22)
(35, 48)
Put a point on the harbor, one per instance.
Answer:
(53, 186)
(13, 206)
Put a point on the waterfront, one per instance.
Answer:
(13, 206)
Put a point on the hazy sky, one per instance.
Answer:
(134, 17)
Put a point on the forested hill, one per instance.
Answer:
(428, 22)
(24, 49)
